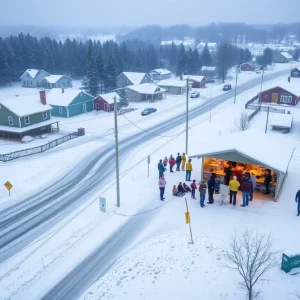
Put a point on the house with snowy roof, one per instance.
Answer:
(196, 81)
(32, 77)
(173, 86)
(132, 78)
(145, 92)
(56, 81)
(106, 101)
(26, 115)
(67, 103)
(160, 74)
(281, 57)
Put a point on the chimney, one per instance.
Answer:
(43, 97)
(63, 90)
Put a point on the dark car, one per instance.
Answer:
(148, 111)
(210, 80)
(227, 87)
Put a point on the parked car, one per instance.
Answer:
(227, 87)
(148, 111)
(258, 71)
(194, 94)
(210, 80)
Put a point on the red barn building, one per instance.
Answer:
(197, 82)
(287, 93)
(105, 102)
(247, 67)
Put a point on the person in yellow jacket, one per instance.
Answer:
(183, 161)
(189, 169)
(233, 187)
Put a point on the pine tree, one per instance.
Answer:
(100, 67)
(296, 55)
(151, 58)
(111, 75)
(197, 62)
(268, 56)
(248, 55)
(206, 57)
(137, 63)
(4, 68)
(123, 99)
(227, 56)
(182, 61)
(91, 81)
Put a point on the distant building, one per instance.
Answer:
(173, 86)
(56, 81)
(160, 74)
(295, 73)
(145, 92)
(68, 103)
(286, 93)
(26, 115)
(209, 72)
(105, 101)
(132, 78)
(32, 78)
(282, 57)
(196, 81)
(211, 46)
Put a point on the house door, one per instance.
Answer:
(97, 106)
(275, 98)
(105, 106)
(84, 107)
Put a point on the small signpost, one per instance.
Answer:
(102, 204)
(148, 161)
(8, 186)
(188, 220)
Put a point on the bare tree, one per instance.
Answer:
(243, 123)
(297, 295)
(252, 256)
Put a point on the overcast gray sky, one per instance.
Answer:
(108, 13)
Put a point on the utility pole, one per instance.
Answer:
(236, 80)
(210, 103)
(117, 151)
(187, 117)
(267, 119)
(261, 83)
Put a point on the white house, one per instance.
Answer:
(32, 78)
(173, 86)
(56, 81)
(160, 74)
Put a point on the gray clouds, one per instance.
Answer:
(100, 13)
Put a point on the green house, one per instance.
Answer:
(26, 115)
(67, 103)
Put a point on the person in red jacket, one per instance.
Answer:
(246, 188)
(194, 187)
(172, 162)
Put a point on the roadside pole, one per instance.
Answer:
(261, 84)
(210, 103)
(267, 119)
(236, 80)
(188, 220)
(148, 163)
(187, 117)
(117, 151)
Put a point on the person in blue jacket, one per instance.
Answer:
(161, 168)
(298, 201)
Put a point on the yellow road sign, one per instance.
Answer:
(187, 218)
(8, 185)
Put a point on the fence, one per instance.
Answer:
(38, 149)
(251, 101)
(250, 117)
(290, 262)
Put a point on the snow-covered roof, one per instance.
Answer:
(27, 128)
(206, 68)
(59, 98)
(293, 86)
(55, 78)
(109, 97)
(194, 78)
(171, 82)
(146, 88)
(282, 120)
(161, 71)
(265, 152)
(286, 55)
(170, 42)
(135, 77)
(31, 72)
(25, 105)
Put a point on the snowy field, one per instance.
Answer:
(161, 261)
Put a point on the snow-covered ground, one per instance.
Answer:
(162, 262)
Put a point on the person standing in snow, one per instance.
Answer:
(189, 169)
(183, 162)
(193, 187)
(253, 179)
(162, 185)
(165, 162)
(246, 189)
(211, 186)
(233, 189)
(172, 163)
(202, 190)
(160, 168)
(298, 201)
(217, 185)
(268, 180)
(178, 161)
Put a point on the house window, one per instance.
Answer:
(45, 115)
(285, 98)
(27, 82)
(60, 110)
(10, 121)
(27, 120)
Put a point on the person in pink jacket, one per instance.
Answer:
(162, 184)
